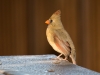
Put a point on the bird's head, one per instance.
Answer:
(55, 20)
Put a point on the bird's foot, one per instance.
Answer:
(56, 58)
(65, 59)
(60, 60)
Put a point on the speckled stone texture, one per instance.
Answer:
(39, 65)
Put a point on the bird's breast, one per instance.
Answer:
(49, 34)
(50, 38)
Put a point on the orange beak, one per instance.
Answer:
(47, 22)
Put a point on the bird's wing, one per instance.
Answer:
(64, 46)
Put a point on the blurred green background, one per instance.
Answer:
(22, 28)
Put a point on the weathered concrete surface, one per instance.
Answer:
(39, 65)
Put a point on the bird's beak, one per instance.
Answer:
(47, 22)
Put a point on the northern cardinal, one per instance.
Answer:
(58, 37)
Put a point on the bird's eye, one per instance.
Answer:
(51, 21)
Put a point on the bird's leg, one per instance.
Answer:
(58, 57)
(66, 58)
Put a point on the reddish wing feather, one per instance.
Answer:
(63, 46)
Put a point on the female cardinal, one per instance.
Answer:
(58, 37)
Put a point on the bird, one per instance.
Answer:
(59, 38)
